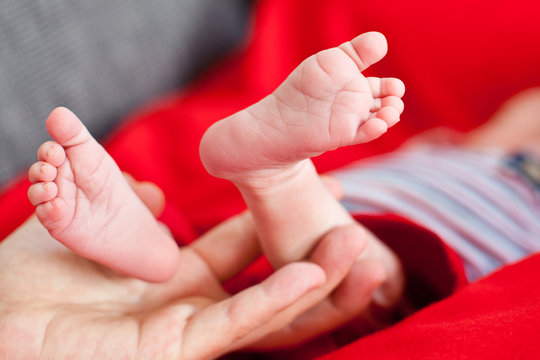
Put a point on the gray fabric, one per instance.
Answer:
(101, 59)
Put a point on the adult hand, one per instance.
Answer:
(55, 304)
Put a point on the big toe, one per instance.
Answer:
(65, 127)
(366, 49)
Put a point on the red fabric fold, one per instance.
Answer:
(494, 318)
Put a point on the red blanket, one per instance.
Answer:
(458, 60)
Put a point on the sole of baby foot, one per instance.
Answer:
(325, 103)
(84, 201)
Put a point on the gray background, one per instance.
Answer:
(101, 59)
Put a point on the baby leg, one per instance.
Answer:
(324, 104)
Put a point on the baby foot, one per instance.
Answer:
(84, 201)
(324, 104)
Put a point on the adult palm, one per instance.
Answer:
(55, 304)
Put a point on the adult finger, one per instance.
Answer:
(350, 299)
(336, 254)
(224, 326)
(229, 247)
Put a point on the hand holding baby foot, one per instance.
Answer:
(83, 200)
(325, 103)
(80, 309)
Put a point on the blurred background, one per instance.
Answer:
(101, 59)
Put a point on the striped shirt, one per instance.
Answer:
(481, 202)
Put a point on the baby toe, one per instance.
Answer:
(52, 152)
(392, 101)
(370, 130)
(51, 212)
(394, 87)
(381, 87)
(41, 171)
(42, 192)
(388, 114)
